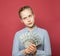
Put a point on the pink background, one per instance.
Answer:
(47, 16)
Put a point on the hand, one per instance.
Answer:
(26, 51)
(33, 49)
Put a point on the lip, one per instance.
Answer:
(30, 23)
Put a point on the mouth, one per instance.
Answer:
(30, 23)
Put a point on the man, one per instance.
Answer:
(27, 17)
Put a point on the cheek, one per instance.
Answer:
(32, 20)
(25, 22)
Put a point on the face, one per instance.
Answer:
(27, 17)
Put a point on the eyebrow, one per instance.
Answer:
(24, 17)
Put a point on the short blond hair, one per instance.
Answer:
(23, 8)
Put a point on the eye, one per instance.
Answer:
(30, 15)
(24, 17)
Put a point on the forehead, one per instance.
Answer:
(26, 12)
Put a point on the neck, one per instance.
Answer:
(31, 28)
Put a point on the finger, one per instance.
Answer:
(33, 45)
(28, 51)
(32, 50)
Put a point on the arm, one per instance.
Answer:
(16, 51)
(47, 47)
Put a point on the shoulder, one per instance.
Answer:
(43, 32)
(42, 29)
(21, 31)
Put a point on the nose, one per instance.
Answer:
(28, 19)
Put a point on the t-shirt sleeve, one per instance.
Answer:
(16, 51)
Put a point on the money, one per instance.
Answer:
(29, 38)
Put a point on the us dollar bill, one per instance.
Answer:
(29, 38)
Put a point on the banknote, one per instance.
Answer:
(31, 37)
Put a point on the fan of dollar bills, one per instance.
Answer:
(29, 38)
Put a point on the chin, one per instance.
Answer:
(30, 26)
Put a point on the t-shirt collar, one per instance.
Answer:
(34, 29)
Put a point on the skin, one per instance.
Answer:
(27, 17)
(31, 50)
